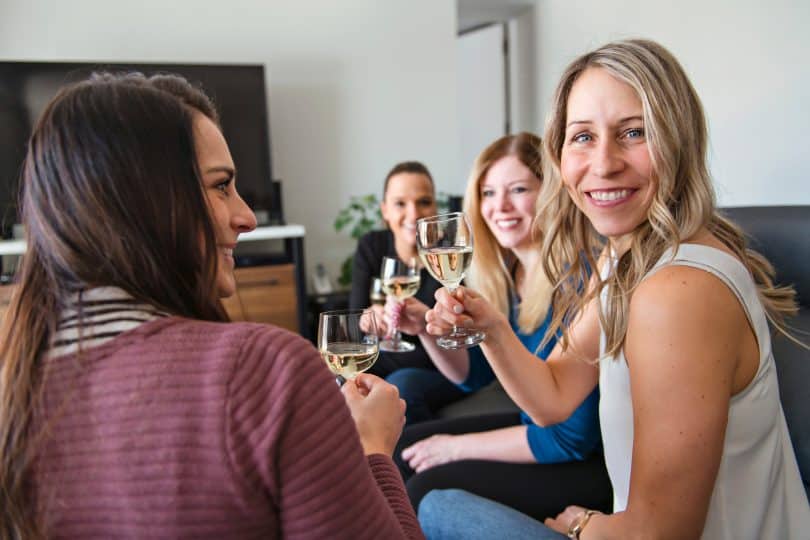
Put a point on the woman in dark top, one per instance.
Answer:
(408, 194)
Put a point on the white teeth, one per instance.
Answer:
(610, 195)
(507, 223)
(228, 251)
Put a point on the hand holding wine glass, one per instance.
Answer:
(348, 341)
(464, 307)
(445, 245)
(378, 412)
(400, 280)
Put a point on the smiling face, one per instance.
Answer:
(409, 197)
(230, 215)
(508, 196)
(605, 162)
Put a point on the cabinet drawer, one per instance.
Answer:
(267, 294)
(281, 275)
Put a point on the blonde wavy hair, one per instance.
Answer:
(683, 204)
(489, 272)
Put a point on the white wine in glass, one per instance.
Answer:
(348, 341)
(400, 280)
(445, 245)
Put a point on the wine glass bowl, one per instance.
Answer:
(348, 341)
(400, 280)
(445, 245)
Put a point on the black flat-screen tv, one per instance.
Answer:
(237, 90)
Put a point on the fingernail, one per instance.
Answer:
(457, 309)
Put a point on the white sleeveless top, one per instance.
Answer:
(758, 493)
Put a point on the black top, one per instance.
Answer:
(371, 249)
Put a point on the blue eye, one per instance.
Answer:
(634, 133)
(487, 193)
(520, 189)
(581, 138)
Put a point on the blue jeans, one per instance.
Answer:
(453, 514)
(425, 391)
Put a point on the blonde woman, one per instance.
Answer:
(505, 456)
(673, 329)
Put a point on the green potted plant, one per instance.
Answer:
(359, 217)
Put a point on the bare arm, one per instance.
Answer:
(548, 391)
(689, 349)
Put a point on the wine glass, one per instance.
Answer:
(347, 341)
(445, 245)
(376, 292)
(400, 280)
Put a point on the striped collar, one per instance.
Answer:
(106, 312)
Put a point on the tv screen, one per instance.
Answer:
(237, 90)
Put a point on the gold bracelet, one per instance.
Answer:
(576, 527)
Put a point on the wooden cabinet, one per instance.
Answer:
(265, 294)
(274, 293)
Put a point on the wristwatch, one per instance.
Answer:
(575, 529)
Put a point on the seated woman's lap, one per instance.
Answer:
(455, 515)
(538, 490)
(425, 391)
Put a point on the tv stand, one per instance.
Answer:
(273, 293)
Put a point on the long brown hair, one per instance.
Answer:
(488, 272)
(683, 204)
(111, 196)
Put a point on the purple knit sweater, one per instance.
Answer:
(189, 429)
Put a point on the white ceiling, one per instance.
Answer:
(473, 13)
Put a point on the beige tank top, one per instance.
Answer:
(758, 493)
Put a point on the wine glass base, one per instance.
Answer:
(401, 346)
(461, 338)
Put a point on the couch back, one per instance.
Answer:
(782, 235)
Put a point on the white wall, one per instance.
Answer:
(481, 93)
(748, 60)
(354, 85)
(523, 70)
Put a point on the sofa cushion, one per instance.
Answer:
(793, 369)
(491, 399)
(782, 235)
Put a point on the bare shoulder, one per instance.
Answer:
(687, 316)
(683, 291)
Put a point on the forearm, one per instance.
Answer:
(529, 381)
(506, 444)
(453, 364)
(629, 526)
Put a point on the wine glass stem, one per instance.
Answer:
(396, 336)
(452, 291)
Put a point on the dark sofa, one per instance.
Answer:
(782, 235)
